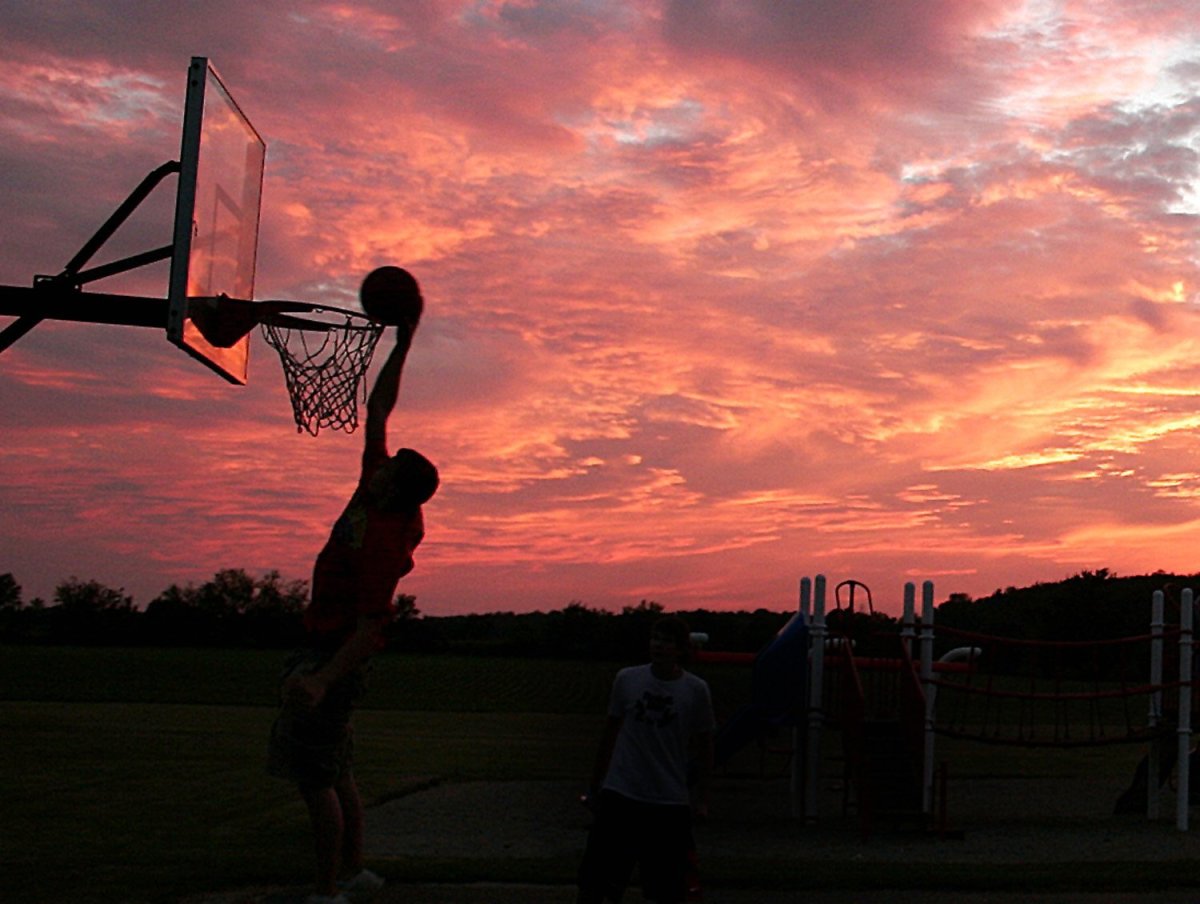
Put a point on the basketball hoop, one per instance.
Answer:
(324, 361)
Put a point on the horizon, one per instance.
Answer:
(717, 295)
(888, 606)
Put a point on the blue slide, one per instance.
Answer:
(777, 692)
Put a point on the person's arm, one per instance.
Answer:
(608, 741)
(354, 651)
(384, 394)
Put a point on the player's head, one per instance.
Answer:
(406, 482)
(672, 630)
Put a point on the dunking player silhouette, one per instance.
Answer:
(368, 551)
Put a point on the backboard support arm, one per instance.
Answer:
(124, 265)
(65, 285)
(120, 215)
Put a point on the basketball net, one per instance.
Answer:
(323, 366)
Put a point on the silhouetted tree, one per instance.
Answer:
(408, 632)
(91, 596)
(88, 612)
(633, 629)
(230, 592)
(272, 616)
(1088, 606)
(234, 608)
(406, 607)
(230, 608)
(10, 593)
(11, 604)
(172, 619)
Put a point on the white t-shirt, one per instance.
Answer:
(658, 719)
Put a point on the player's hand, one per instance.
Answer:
(306, 690)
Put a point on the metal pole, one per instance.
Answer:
(908, 628)
(54, 301)
(16, 330)
(816, 674)
(799, 756)
(124, 265)
(1154, 717)
(926, 645)
(51, 300)
(1184, 730)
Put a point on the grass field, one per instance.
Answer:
(137, 775)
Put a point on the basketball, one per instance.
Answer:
(391, 295)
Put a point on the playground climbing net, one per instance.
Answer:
(1036, 693)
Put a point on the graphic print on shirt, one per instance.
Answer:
(656, 709)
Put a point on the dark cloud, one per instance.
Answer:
(839, 53)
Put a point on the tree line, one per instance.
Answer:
(237, 609)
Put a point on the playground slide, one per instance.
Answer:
(777, 694)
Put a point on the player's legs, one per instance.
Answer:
(325, 814)
(314, 747)
(352, 823)
(666, 845)
(609, 857)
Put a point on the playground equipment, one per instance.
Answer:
(888, 698)
(868, 687)
(809, 679)
(1067, 694)
(777, 698)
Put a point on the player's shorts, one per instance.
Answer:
(314, 746)
(655, 837)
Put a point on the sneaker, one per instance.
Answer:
(362, 887)
(326, 899)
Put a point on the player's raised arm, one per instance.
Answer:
(384, 394)
(390, 295)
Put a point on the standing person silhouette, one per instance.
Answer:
(354, 581)
(659, 729)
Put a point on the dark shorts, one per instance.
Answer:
(657, 838)
(314, 746)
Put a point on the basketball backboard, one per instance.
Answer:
(216, 220)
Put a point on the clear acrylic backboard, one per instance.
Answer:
(216, 220)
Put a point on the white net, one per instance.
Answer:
(323, 366)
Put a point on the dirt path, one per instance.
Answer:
(1002, 821)
(518, 893)
(532, 894)
(1011, 829)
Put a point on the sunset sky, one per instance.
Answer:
(720, 293)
